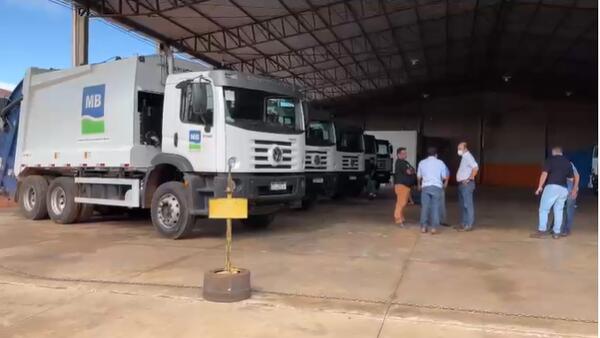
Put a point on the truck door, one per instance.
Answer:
(188, 125)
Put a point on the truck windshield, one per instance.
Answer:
(259, 110)
(350, 141)
(370, 146)
(382, 148)
(320, 133)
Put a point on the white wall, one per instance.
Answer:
(399, 138)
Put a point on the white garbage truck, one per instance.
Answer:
(350, 159)
(125, 133)
(320, 161)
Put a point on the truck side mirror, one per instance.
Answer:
(199, 99)
(391, 149)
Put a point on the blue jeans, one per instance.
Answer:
(570, 206)
(431, 197)
(554, 196)
(443, 207)
(465, 202)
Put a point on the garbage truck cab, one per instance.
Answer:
(320, 164)
(383, 162)
(350, 159)
(125, 134)
(370, 154)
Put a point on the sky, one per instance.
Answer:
(37, 33)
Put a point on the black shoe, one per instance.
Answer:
(565, 233)
(538, 234)
(445, 224)
(556, 236)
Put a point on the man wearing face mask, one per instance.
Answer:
(465, 177)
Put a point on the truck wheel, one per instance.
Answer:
(258, 221)
(32, 197)
(85, 212)
(60, 201)
(170, 212)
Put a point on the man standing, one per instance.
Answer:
(404, 178)
(557, 170)
(465, 177)
(571, 204)
(432, 178)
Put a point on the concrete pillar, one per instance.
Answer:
(80, 41)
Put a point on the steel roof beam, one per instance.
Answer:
(544, 46)
(397, 41)
(314, 37)
(422, 38)
(186, 48)
(286, 45)
(267, 58)
(313, 21)
(494, 43)
(336, 36)
(370, 43)
(145, 9)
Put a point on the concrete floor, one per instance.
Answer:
(340, 270)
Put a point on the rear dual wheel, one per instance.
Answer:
(32, 197)
(60, 200)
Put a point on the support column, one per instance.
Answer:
(80, 42)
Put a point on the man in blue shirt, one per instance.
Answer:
(465, 177)
(432, 179)
(571, 204)
(553, 187)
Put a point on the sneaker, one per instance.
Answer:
(466, 228)
(565, 233)
(424, 230)
(538, 234)
(556, 236)
(400, 224)
(433, 231)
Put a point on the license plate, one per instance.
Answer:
(277, 186)
(318, 180)
(352, 178)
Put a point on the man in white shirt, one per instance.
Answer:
(432, 179)
(465, 177)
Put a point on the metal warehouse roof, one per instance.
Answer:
(338, 48)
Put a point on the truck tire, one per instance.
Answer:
(32, 197)
(60, 201)
(257, 222)
(170, 212)
(85, 212)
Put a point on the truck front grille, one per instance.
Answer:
(315, 160)
(350, 162)
(264, 157)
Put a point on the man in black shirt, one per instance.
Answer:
(404, 178)
(557, 170)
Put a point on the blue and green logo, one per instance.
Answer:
(92, 110)
(195, 140)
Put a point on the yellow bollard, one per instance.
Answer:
(228, 284)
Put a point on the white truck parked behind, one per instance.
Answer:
(320, 164)
(350, 159)
(124, 134)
